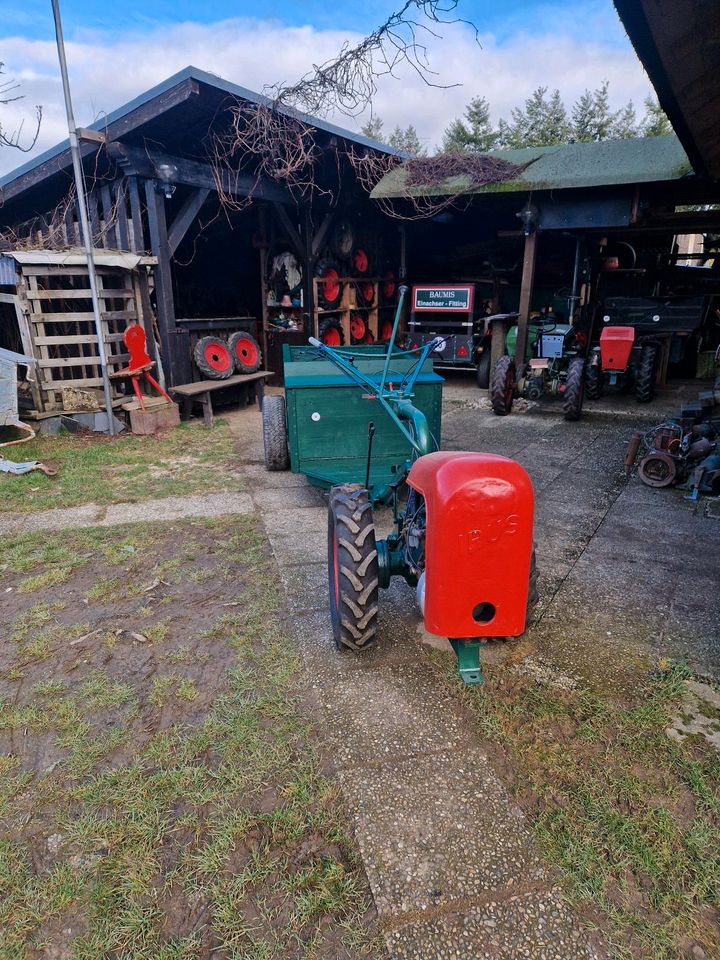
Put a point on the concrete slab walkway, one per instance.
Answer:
(145, 511)
(450, 858)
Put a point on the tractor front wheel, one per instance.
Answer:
(483, 369)
(502, 388)
(594, 381)
(574, 389)
(352, 567)
(645, 375)
(277, 456)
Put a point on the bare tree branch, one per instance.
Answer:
(275, 140)
(7, 87)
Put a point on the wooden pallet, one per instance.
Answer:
(60, 326)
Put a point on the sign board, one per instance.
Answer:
(442, 299)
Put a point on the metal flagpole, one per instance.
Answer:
(84, 223)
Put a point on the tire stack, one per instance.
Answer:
(217, 358)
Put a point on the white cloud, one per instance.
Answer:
(107, 72)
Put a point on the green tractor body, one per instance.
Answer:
(554, 366)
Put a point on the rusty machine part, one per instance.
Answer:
(658, 469)
(632, 451)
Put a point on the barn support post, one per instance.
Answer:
(175, 345)
(526, 291)
(309, 267)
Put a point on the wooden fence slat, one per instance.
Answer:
(82, 316)
(126, 293)
(77, 338)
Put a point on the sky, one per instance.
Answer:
(117, 50)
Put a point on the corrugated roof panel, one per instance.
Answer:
(563, 167)
(7, 272)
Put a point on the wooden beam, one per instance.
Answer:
(193, 173)
(185, 216)
(319, 238)
(118, 128)
(290, 230)
(137, 238)
(175, 356)
(308, 261)
(526, 291)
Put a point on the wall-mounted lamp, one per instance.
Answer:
(528, 216)
(167, 172)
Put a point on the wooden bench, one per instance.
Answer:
(201, 390)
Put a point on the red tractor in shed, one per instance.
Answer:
(637, 332)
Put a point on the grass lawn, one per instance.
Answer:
(630, 817)
(99, 469)
(161, 791)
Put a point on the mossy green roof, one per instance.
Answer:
(563, 167)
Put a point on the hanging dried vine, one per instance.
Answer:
(419, 184)
(275, 140)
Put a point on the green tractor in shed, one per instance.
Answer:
(554, 366)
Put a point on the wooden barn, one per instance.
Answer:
(192, 240)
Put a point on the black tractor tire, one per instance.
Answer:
(482, 372)
(498, 334)
(330, 293)
(594, 381)
(645, 374)
(275, 441)
(245, 350)
(574, 389)
(213, 358)
(343, 240)
(331, 332)
(353, 574)
(502, 388)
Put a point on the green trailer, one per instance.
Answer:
(327, 427)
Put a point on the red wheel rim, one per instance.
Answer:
(386, 330)
(367, 292)
(331, 338)
(247, 351)
(218, 357)
(389, 285)
(509, 387)
(331, 286)
(357, 327)
(360, 261)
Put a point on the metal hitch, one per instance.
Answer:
(468, 654)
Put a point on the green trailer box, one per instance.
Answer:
(328, 416)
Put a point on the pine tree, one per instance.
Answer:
(625, 124)
(592, 119)
(407, 140)
(540, 123)
(655, 122)
(373, 129)
(474, 136)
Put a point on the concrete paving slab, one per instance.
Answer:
(302, 546)
(266, 479)
(439, 829)
(529, 926)
(289, 498)
(299, 522)
(87, 515)
(306, 586)
(176, 508)
(387, 714)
